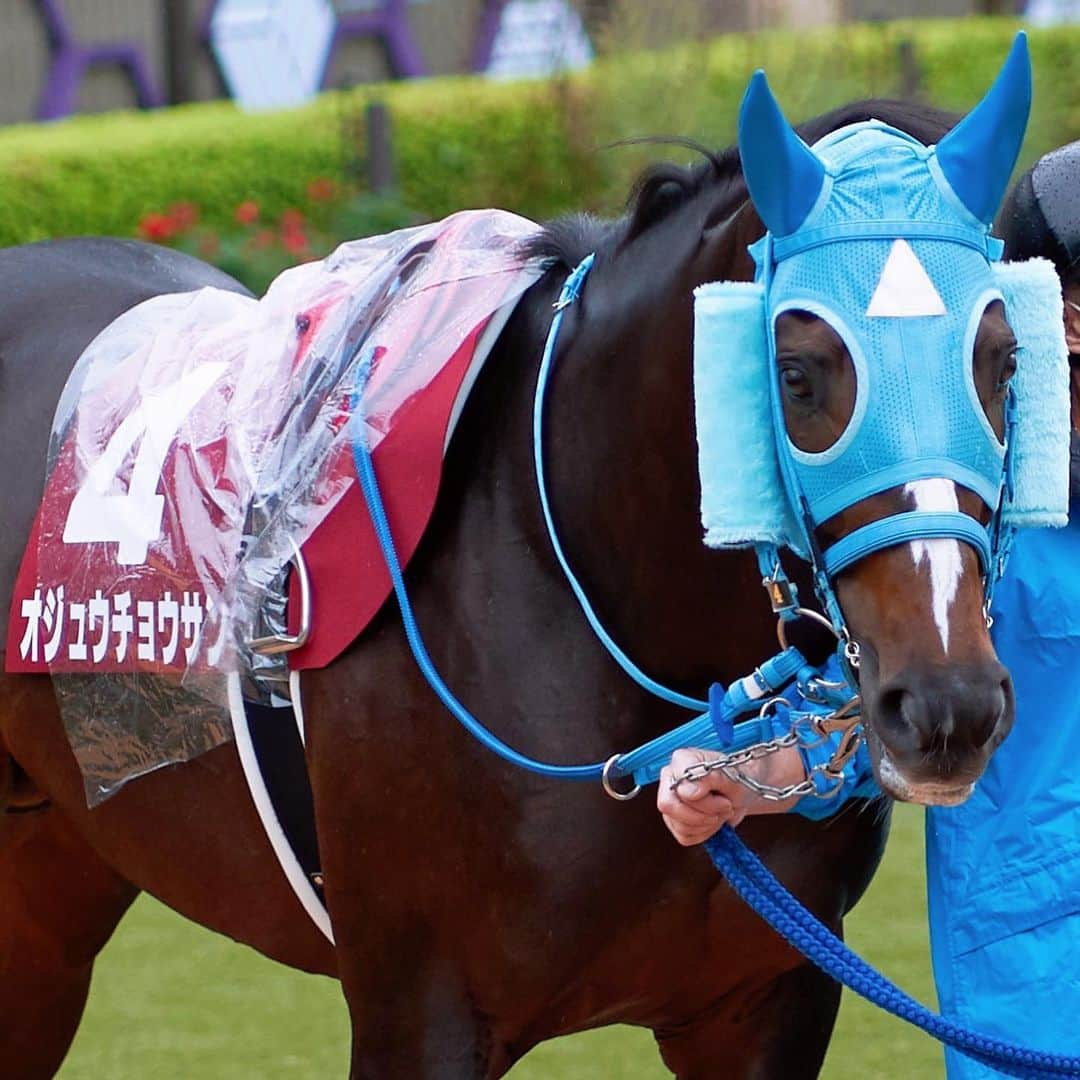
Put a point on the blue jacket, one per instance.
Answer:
(1003, 869)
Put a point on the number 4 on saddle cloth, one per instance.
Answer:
(201, 435)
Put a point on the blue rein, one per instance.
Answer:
(714, 728)
(570, 292)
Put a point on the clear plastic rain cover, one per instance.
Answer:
(199, 438)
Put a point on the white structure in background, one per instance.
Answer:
(537, 38)
(1050, 12)
(273, 53)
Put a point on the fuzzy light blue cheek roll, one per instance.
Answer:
(1032, 294)
(742, 500)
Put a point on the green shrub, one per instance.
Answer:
(533, 147)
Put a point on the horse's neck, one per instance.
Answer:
(623, 475)
(622, 478)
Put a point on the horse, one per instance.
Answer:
(477, 909)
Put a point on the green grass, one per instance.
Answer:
(174, 1002)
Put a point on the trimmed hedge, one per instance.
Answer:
(534, 147)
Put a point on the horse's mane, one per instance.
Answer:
(665, 187)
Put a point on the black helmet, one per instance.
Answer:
(1041, 215)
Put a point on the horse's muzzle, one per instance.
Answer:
(931, 732)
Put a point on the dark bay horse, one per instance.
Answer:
(479, 910)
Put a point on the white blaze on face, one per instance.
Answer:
(945, 559)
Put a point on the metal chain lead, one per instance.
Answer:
(845, 719)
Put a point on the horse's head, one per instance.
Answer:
(891, 361)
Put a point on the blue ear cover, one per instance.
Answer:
(978, 156)
(783, 174)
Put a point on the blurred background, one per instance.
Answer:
(167, 119)
(168, 41)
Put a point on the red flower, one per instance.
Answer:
(157, 227)
(184, 215)
(292, 221)
(294, 241)
(322, 189)
(209, 245)
(247, 212)
(263, 239)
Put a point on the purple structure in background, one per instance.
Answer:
(485, 38)
(70, 60)
(390, 22)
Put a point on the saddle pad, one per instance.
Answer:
(201, 435)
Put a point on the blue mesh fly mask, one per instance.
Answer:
(887, 241)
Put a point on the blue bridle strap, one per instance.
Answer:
(784, 247)
(900, 528)
(571, 290)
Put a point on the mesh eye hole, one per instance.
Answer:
(816, 380)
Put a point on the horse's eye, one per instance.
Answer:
(1008, 370)
(796, 383)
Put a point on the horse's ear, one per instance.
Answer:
(783, 174)
(977, 157)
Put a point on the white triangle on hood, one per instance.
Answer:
(905, 289)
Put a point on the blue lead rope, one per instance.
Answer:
(752, 880)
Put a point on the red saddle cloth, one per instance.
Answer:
(202, 434)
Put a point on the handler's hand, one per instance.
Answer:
(694, 809)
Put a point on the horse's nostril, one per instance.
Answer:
(901, 715)
(987, 721)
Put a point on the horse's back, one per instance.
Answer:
(55, 297)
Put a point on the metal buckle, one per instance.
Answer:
(275, 644)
